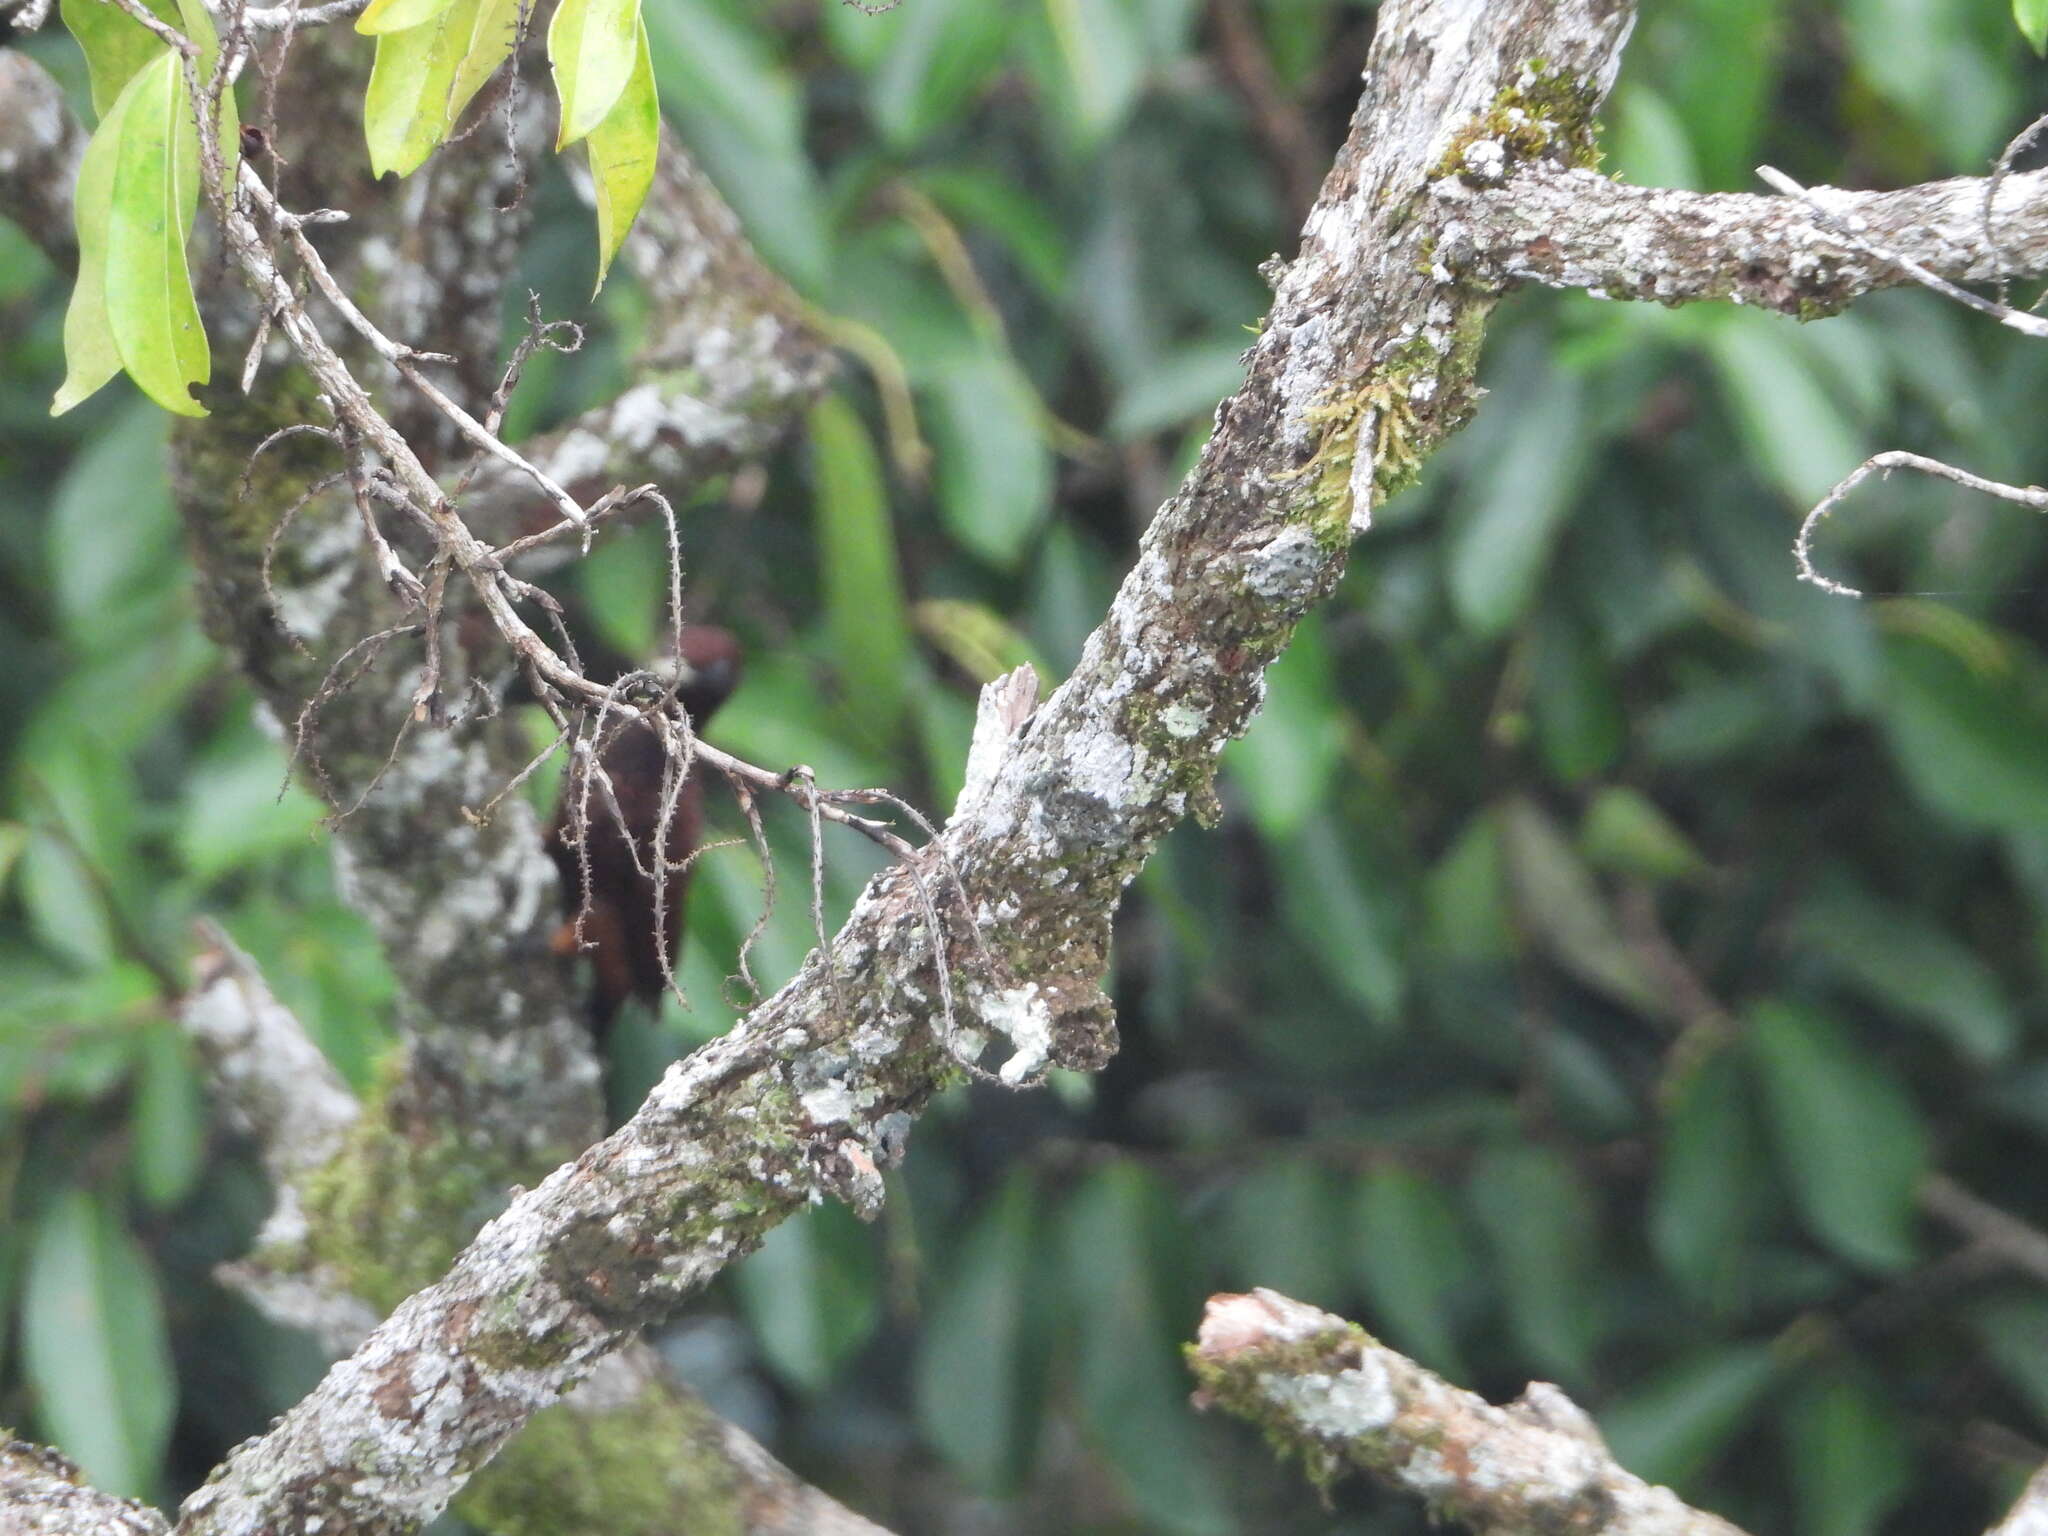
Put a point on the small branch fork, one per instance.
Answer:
(381, 469)
(1855, 231)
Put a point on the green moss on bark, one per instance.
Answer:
(651, 1467)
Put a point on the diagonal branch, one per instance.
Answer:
(1365, 364)
(273, 1080)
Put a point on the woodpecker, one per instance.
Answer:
(620, 932)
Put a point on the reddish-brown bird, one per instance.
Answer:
(621, 934)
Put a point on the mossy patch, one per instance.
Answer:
(389, 1212)
(1401, 410)
(652, 1467)
(1547, 114)
(1236, 1383)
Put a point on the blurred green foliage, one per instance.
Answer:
(1604, 939)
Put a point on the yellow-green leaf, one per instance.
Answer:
(382, 16)
(90, 356)
(622, 153)
(492, 32)
(411, 98)
(593, 48)
(116, 45)
(150, 308)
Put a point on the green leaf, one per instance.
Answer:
(93, 1346)
(1102, 47)
(2014, 1332)
(993, 470)
(117, 50)
(1787, 413)
(1562, 908)
(493, 30)
(1411, 1254)
(1343, 917)
(1025, 227)
(1467, 896)
(1579, 722)
(168, 1122)
(1624, 831)
(1711, 1189)
(1540, 1222)
(935, 58)
(980, 1358)
(866, 623)
(593, 47)
(1121, 1268)
(742, 113)
(1669, 1429)
(1510, 511)
(1279, 1228)
(975, 638)
(382, 16)
(112, 537)
(1851, 1458)
(2032, 16)
(810, 1296)
(1904, 965)
(1850, 1142)
(1283, 763)
(232, 817)
(623, 147)
(1179, 387)
(1968, 739)
(91, 357)
(412, 99)
(115, 44)
(65, 909)
(150, 308)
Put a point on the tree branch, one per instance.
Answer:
(42, 1494)
(1323, 1389)
(1364, 366)
(630, 1429)
(727, 365)
(1576, 229)
(41, 142)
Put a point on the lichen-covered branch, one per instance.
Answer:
(41, 141)
(269, 1076)
(728, 362)
(630, 1452)
(42, 1494)
(1363, 367)
(1325, 1391)
(1577, 229)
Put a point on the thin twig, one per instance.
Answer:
(1851, 228)
(2031, 496)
